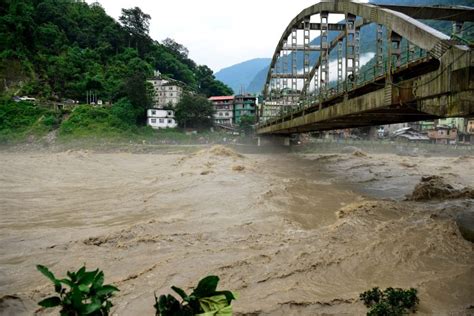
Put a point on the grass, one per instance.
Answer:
(87, 126)
(20, 121)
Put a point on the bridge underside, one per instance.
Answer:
(376, 116)
(379, 102)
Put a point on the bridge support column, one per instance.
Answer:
(273, 140)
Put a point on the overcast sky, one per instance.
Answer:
(218, 33)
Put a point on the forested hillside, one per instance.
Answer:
(63, 48)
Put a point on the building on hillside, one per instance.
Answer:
(269, 110)
(244, 104)
(453, 122)
(426, 125)
(470, 126)
(161, 118)
(224, 110)
(443, 134)
(467, 136)
(167, 92)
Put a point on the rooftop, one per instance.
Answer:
(222, 98)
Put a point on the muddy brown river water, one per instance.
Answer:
(292, 234)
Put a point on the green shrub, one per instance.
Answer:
(204, 300)
(18, 120)
(391, 302)
(87, 294)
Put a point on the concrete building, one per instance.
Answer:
(454, 122)
(244, 104)
(167, 93)
(470, 126)
(161, 119)
(224, 110)
(442, 134)
(427, 125)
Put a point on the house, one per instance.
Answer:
(426, 125)
(161, 119)
(167, 92)
(244, 104)
(443, 134)
(224, 110)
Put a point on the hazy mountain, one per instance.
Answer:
(239, 76)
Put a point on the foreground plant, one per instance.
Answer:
(391, 302)
(87, 294)
(205, 300)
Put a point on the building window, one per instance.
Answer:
(169, 113)
(170, 121)
(153, 112)
(226, 113)
(171, 94)
(162, 121)
(153, 120)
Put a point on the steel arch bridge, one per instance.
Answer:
(417, 72)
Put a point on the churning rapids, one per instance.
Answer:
(292, 234)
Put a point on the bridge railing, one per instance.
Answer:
(367, 75)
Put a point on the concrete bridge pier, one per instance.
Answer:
(274, 140)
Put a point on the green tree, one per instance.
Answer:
(138, 94)
(246, 124)
(137, 24)
(194, 111)
(208, 84)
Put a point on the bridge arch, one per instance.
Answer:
(423, 36)
(430, 83)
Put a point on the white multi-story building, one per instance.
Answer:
(166, 92)
(224, 109)
(161, 119)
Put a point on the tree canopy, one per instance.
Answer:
(194, 111)
(58, 49)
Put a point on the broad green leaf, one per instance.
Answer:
(213, 303)
(91, 308)
(84, 288)
(180, 292)
(228, 294)
(57, 286)
(72, 276)
(67, 282)
(80, 272)
(98, 281)
(87, 277)
(106, 290)
(76, 298)
(206, 286)
(52, 301)
(46, 273)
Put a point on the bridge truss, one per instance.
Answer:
(417, 72)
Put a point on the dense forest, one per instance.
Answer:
(63, 48)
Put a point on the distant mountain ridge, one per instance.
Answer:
(239, 76)
(252, 74)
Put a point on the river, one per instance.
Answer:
(292, 234)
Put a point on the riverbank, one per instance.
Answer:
(293, 234)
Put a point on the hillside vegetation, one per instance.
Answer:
(57, 50)
(63, 48)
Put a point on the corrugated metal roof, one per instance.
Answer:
(221, 98)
